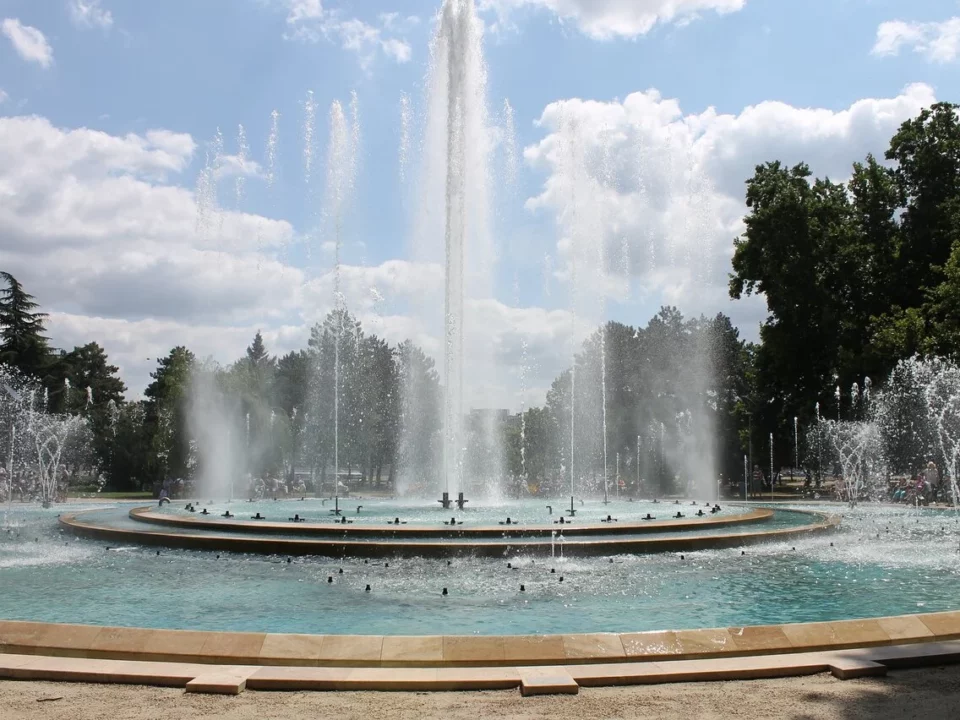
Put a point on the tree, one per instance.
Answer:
(87, 367)
(22, 342)
(123, 446)
(926, 151)
(165, 415)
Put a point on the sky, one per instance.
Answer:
(109, 111)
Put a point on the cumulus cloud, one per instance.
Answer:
(102, 229)
(665, 188)
(30, 43)
(90, 14)
(609, 19)
(136, 345)
(99, 230)
(310, 21)
(3, 96)
(936, 41)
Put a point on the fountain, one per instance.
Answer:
(620, 593)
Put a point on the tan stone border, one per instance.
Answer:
(391, 547)
(532, 680)
(386, 530)
(196, 646)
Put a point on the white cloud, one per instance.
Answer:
(89, 14)
(29, 42)
(396, 22)
(102, 230)
(398, 50)
(3, 96)
(936, 41)
(303, 10)
(310, 21)
(608, 19)
(94, 227)
(666, 188)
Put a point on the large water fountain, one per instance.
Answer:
(255, 561)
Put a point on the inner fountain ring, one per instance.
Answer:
(335, 529)
(481, 541)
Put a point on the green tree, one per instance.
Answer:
(87, 366)
(165, 415)
(23, 344)
(926, 151)
(123, 447)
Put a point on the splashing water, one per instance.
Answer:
(406, 121)
(273, 145)
(309, 136)
(511, 154)
(243, 153)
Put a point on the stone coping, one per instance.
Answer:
(332, 529)
(390, 547)
(196, 647)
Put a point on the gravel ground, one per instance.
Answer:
(927, 694)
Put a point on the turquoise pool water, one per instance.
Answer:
(368, 512)
(883, 561)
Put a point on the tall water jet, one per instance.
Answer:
(243, 153)
(511, 154)
(455, 176)
(603, 400)
(406, 122)
(216, 171)
(273, 146)
(584, 235)
(341, 169)
(772, 476)
(796, 445)
(309, 136)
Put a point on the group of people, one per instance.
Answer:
(927, 487)
(272, 486)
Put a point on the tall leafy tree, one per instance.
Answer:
(87, 366)
(926, 151)
(165, 415)
(23, 344)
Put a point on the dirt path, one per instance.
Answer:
(928, 694)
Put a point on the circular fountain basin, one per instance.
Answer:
(469, 537)
(912, 567)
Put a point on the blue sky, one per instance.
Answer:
(186, 67)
